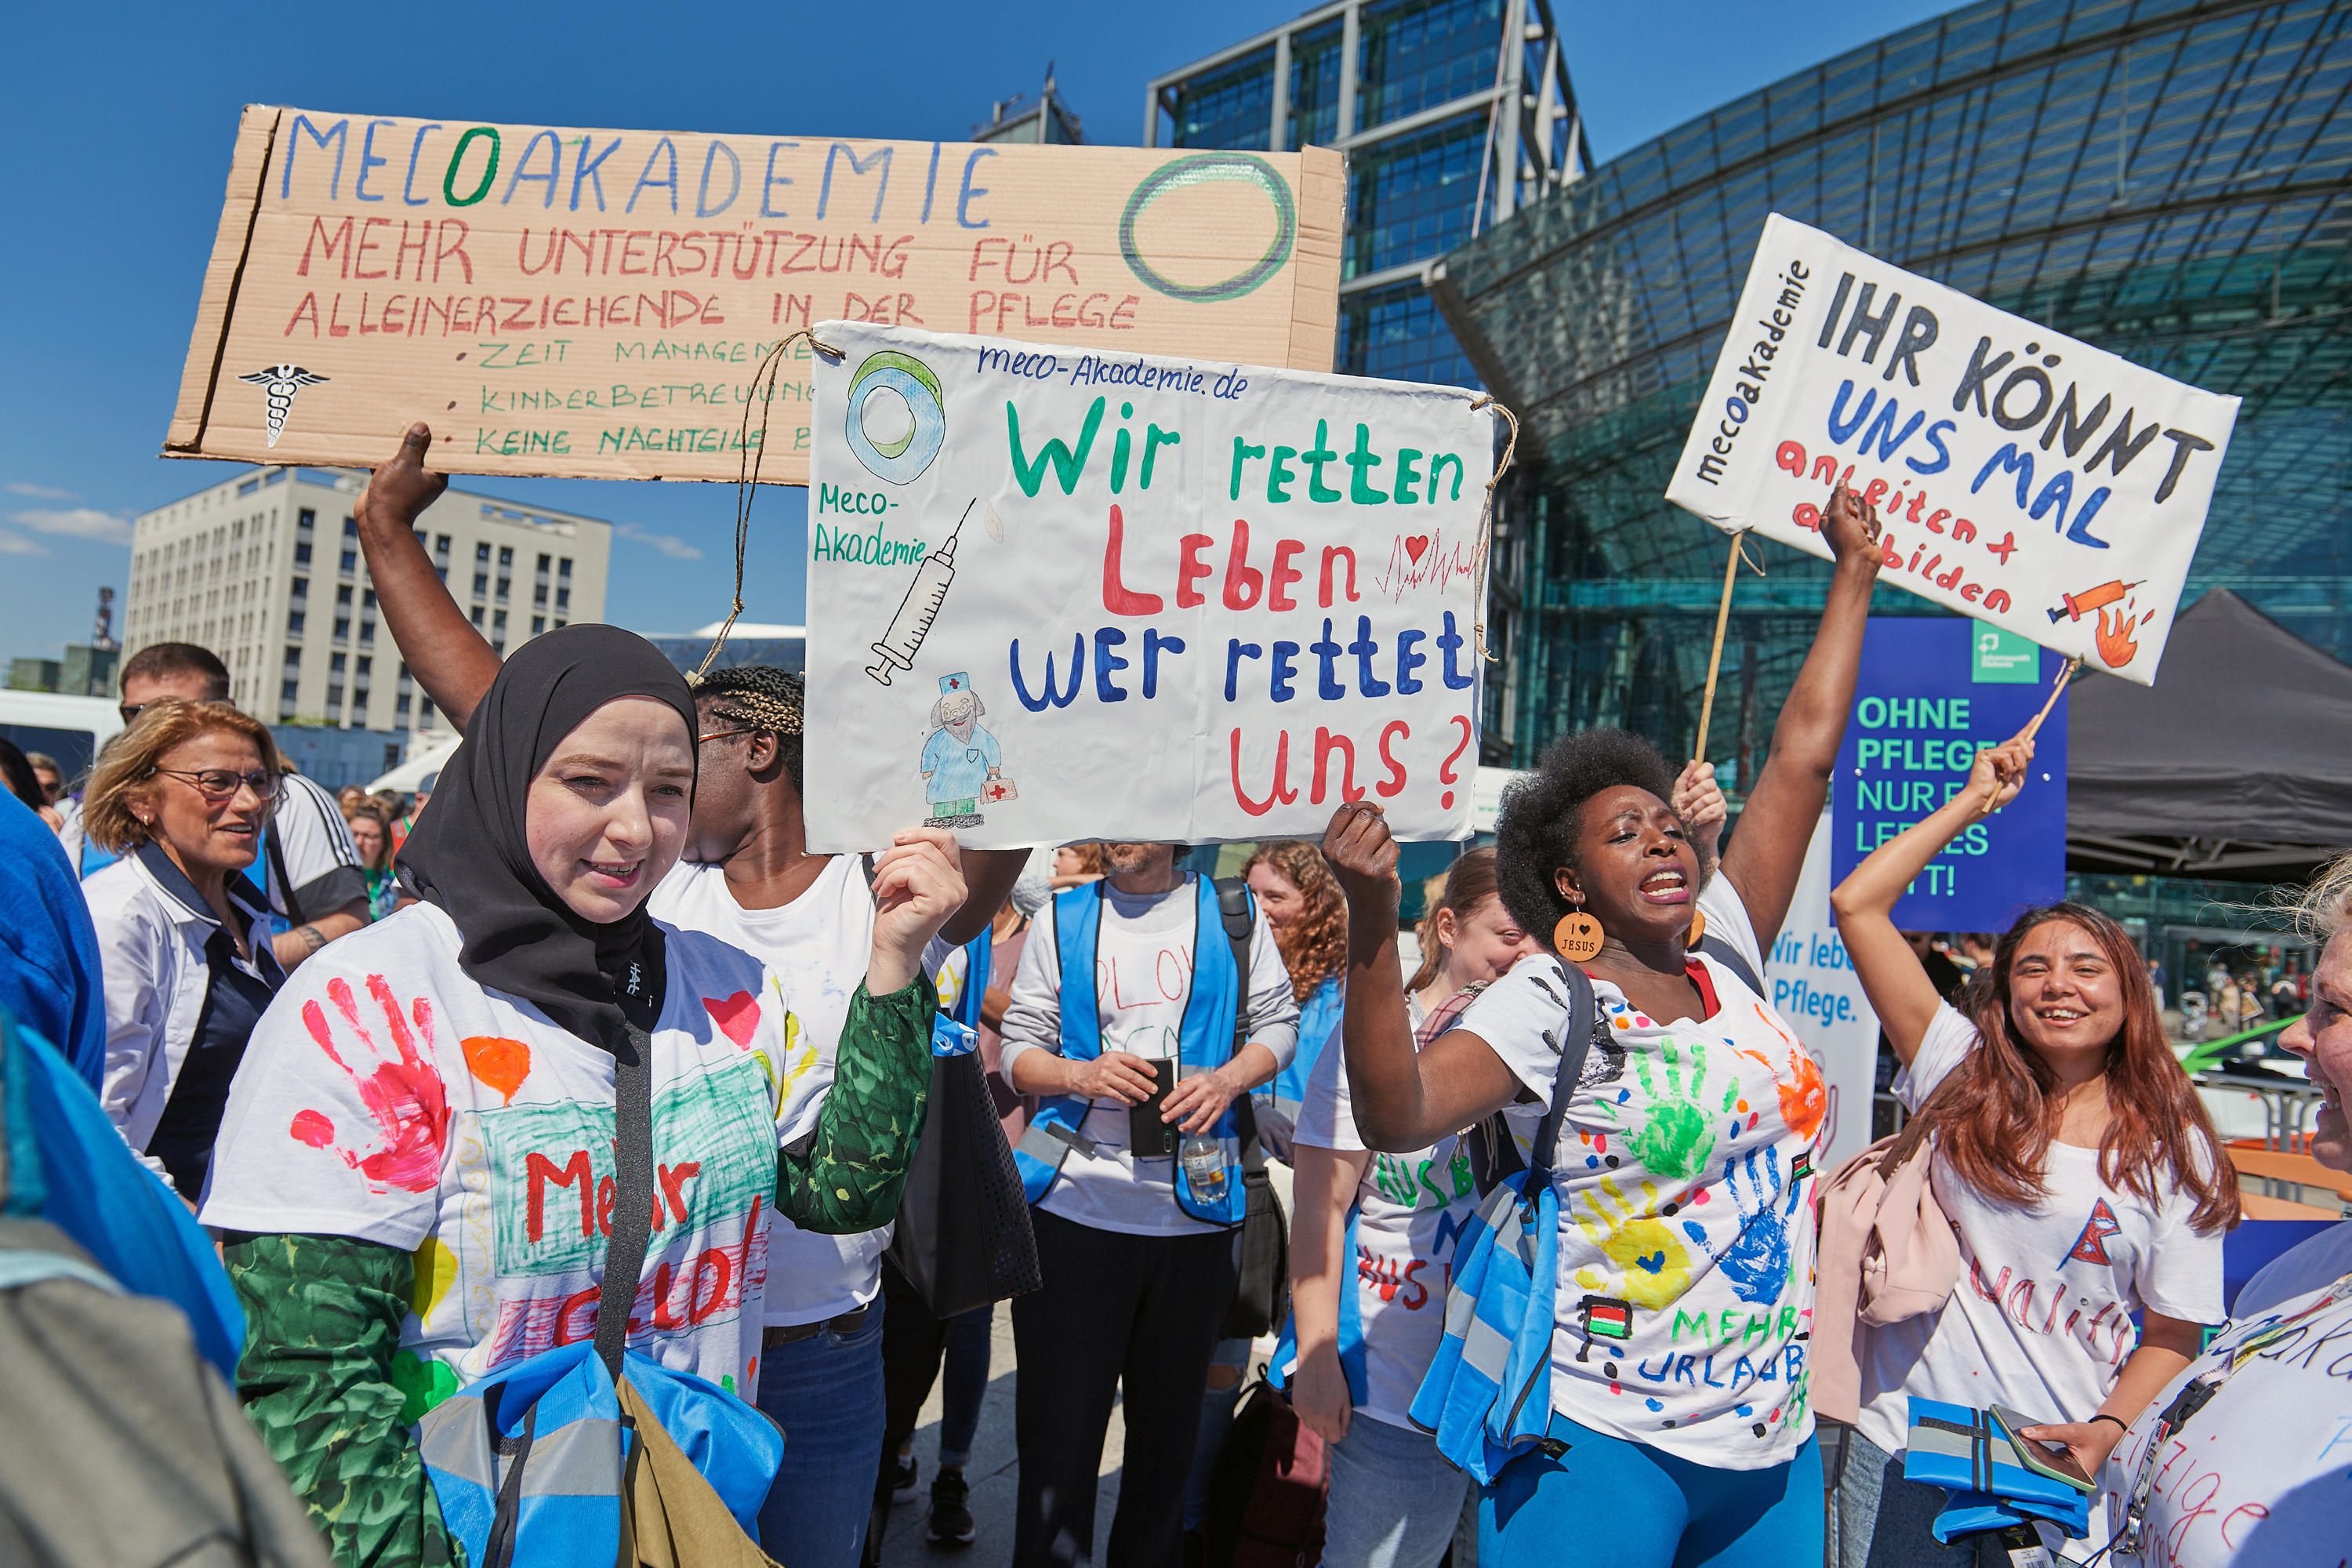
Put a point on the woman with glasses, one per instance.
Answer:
(183, 797)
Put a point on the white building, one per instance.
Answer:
(264, 568)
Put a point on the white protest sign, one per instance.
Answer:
(1054, 595)
(1814, 987)
(2020, 476)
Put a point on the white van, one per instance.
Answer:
(70, 728)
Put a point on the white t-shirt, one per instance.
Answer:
(1409, 1210)
(2262, 1475)
(387, 1097)
(815, 950)
(1685, 1173)
(1143, 976)
(2041, 1320)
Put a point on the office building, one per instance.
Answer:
(264, 568)
(2170, 182)
(1454, 115)
(1046, 119)
(748, 642)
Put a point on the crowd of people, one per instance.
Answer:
(583, 1056)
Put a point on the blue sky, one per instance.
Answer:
(122, 118)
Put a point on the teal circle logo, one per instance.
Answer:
(898, 458)
(1211, 168)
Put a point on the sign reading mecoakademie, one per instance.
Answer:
(556, 300)
(2022, 477)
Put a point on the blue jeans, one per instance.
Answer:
(1394, 1499)
(1880, 1519)
(825, 1392)
(1609, 1503)
(964, 1385)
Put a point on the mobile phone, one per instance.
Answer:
(2057, 1464)
(1149, 1137)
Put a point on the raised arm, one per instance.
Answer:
(1769, 847)
(448, 656)
(991, 873)
(1403, 1100)
(1892, 975)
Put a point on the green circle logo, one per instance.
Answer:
(1211, 168)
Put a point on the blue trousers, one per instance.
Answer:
(1609, 1503)
(825, 1392)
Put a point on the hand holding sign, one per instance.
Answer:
(1999, 773)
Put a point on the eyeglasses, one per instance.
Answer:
(130, 711)
(221, 784)
(722, 735)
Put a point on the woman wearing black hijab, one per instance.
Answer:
(417, 1158)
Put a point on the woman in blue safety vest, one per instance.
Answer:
(1141, 1021)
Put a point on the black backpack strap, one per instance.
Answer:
(633, 1171)
(1493, 1153)
(1731, 958)
(1234, 908)
(293, 911)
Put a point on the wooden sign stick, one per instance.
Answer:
(2065, 674)
(1714, 656)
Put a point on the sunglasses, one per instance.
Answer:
(218, 785)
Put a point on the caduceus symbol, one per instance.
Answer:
(279, 382)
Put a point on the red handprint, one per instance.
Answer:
(404, 1095)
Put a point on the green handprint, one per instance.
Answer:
(1676, 1136)
(1652, 1268)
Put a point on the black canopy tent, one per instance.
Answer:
(2236, 764)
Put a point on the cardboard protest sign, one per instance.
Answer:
(2022, 477)
(558, 300)
(1052, 597)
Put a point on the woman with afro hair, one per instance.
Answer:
(1680, 1430)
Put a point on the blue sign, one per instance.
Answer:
(1925, 705)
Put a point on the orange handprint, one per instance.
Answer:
(404, 1095)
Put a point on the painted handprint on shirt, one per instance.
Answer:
(1757, 1262)
(1653, 1266)
(404, 1095)
(1804, 1098)
(1676, 1137)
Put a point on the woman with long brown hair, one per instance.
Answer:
(2075, 1163)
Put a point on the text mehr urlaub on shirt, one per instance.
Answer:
(2263, 1474)
(2042, 1319)
(387, 1097)
(814, 950)
(1143, 975)
(1685, 1173)
(1409, 1211)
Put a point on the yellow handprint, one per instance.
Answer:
(1654, 1268)
(799, 1056)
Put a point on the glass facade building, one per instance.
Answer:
(1454, 115)
(2171, 180)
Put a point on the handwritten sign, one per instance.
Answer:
(2023, 478)
(1058, 594)
(594, 303)
(1928, 698)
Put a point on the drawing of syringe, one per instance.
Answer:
(920, 608)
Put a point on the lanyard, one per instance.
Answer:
(2197, 1393)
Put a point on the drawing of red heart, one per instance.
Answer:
(738, 1015)
(1415, 545)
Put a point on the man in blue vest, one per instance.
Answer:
(1132, 985)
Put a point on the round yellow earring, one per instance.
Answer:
(1577, 937)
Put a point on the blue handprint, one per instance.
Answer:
(1758, 1260)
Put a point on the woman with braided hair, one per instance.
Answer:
(749, 878)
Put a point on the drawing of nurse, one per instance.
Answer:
(960, 756)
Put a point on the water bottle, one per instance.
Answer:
(1205, 1167)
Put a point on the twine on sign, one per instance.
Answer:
(747, 472)
(1486, 514)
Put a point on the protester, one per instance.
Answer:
(747, 879)
(18, 774)
(1384, 1226)
(404, 821)
(49, 967)
(2074, 1161)
(48, 775)
(372, 836)
(2239, 1458)
(1075, 864)
(307, 868)
(350, 798)
(915, 1341)
(1676, 1207)
(183, 797)
(1132, 978)
(1308, 916)
(431, 1099)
